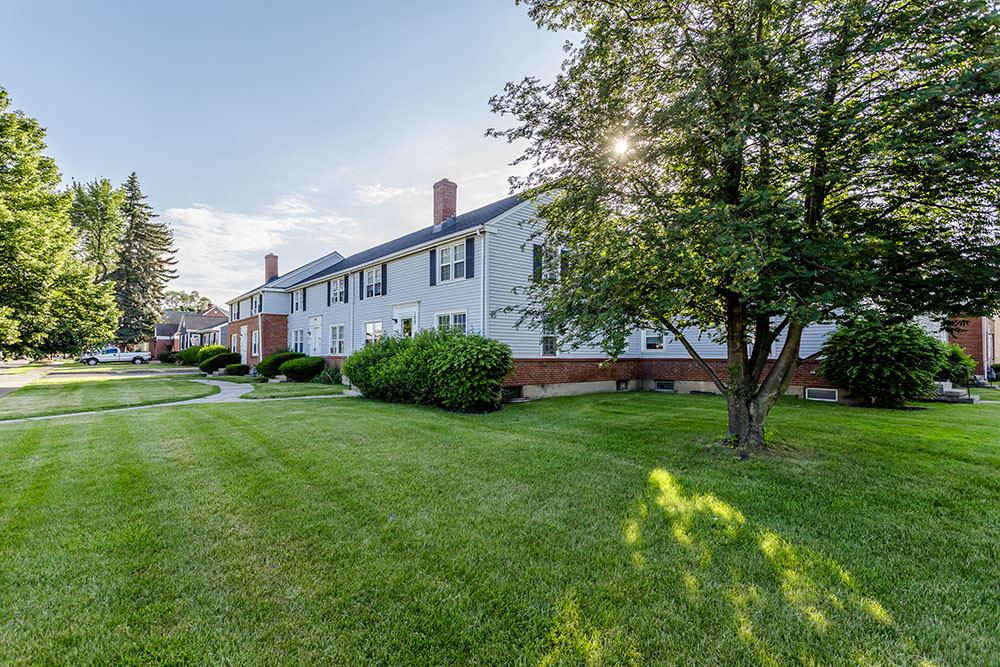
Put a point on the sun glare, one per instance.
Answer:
(621, 146)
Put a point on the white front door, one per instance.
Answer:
(315, 336)
(243, 345)
(405, 320)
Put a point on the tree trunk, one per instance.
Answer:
(746, 425)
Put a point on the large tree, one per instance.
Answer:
(40, 300)
(745, 168)
(144, 267)
(96, 214)
(180, 300)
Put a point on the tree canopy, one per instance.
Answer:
(745, 168)
(49, 301)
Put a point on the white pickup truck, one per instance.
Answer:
(113, 354)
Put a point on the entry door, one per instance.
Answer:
(243, 345)
(405, 319)
(315, 338)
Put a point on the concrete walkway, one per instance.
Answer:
(12, 381)
(229, 392)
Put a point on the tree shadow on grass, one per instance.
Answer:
(710, 587)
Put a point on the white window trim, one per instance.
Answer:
(365, 330)
(451, 315)
(342, 339)
(376, 283)
(255, 343)
(336, 287)
(452, 247)
(541, 344)
(300, 335)
(663, 343)
(297, 300)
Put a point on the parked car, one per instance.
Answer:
(113, 354)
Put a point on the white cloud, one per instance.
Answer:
(373, 195)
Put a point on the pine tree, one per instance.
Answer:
(145, 266)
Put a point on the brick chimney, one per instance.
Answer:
(445, 201)
(270, 266)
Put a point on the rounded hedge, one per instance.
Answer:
(209, 351)
(888, 365)
(166, 357)
(237, 369)
(213, 364)
(268, 366)
(302, 369)
(189, 356)
(457, 371)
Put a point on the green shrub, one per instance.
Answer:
(167, 358)
(213, 364)
(302, 369)
(457, 371)
(268, 367)
(468, 371)
(189, 357)
(237, 369)
(957, 366)
(888, 365)
(209, 351)
(328, 376)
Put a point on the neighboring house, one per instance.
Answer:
(455, 273)
(977, 336)
(180, 329)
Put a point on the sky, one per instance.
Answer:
(297, 128)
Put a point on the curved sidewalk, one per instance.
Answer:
(229, 392)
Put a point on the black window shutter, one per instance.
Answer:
(291, 302)
(344, 292)
(260, 304)
(328, 294)
(470, 257)
(303, 299)
(361, 286)
(433, 267)
(385, 276)
(536, 262)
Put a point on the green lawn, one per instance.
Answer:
(289, 389)
(70, 368)
(53, 397)
(587, 530)
(17, 370)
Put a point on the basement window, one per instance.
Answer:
(664, 385)
(817, 394)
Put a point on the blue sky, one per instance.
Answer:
(293, 127)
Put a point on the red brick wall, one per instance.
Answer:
(970, 338)
(552, 371)
(274, 335)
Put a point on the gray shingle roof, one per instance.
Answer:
(166, 329)
(465, 221)
(195, 322)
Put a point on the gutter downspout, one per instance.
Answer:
(483, 295)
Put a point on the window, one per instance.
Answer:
(373, 282)
(298, 344)
(452, 264)
(336, 290)
(654, 340)
(253, 305)
(234, 345)
(373, 332)
(549, 342)
(255, 343)
(451, 321)
(296, 301)
(337, 339)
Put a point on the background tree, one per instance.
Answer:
(96, 214)
(752, 167)
(37, 265)
(179, 300)
(145, 266)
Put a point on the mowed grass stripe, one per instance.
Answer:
(560, 531)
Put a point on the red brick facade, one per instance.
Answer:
(273, 337)
(554, 371)
(977, 338)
